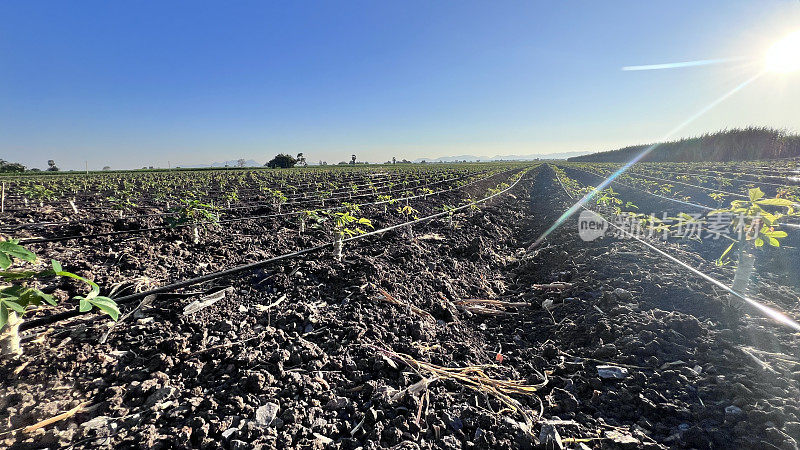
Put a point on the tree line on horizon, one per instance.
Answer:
(14, 167)
(745, 144)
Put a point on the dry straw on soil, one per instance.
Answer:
(476, 378)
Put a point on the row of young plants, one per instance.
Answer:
(203, 216)
(146, 188)
(123, 205)
(738, 169)
(27, 283)
(277, 199)
(709, 178)
(193, 212)
(667, 189)
(704, 190)
(718, 180)
(783, 172)
(757, 218)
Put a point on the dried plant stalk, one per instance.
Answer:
(475, 378)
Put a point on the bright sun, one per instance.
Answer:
(784, 55)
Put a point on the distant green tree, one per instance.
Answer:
(283, 161)
(9, 167)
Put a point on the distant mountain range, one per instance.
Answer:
(563, 155)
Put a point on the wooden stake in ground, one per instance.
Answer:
(3, 198)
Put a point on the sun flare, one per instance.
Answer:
(784, 55)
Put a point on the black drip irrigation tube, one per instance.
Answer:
(29, 324)
(174, 286)
(242, 206)
(296, 199)
(236, 219)
(694, 205)
(765, 310)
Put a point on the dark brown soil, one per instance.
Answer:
(215, 378)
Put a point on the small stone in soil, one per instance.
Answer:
(623, 294)
(336, 404)
(265, 415)
(98, 423)
(228, 433)
(612, 372)
(621, 438)
(733, 412)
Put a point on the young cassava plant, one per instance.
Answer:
(231, 197)
(450, 210)
(309, 216)
(407, 212)
(756, 226)
(20, 294)
(386, 200)
(195, 213)
(346, 225)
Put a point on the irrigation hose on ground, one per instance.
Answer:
(694, 205)
(33, 323)
(766, 310)
(252, 205)
(700, 175)
(240, 219)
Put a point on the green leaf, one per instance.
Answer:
(34, 297)
(755, 194)
(84, 305)
(106, 305)
(15, 306)
(17, 251)
(95, 290)
(774, 242)
(56, 266)
(5, 261)
(727, 250)
(776, 202)
(759, 242)
(48, 298)
(92, 284)
(3, 315)
(770, 218)
(775, 234)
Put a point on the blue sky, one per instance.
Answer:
(129, 84)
